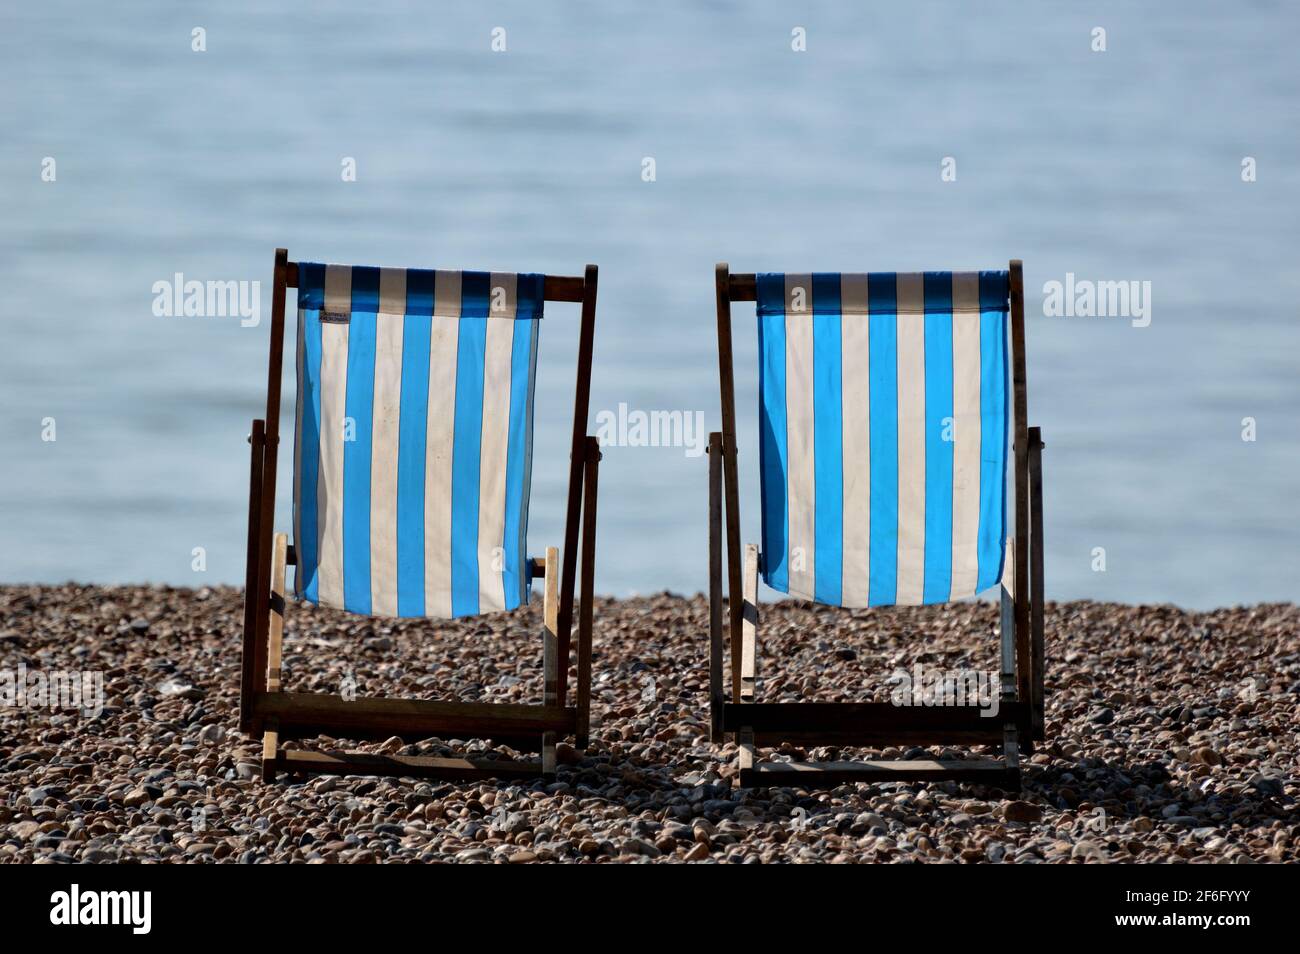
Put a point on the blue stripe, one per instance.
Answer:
(773, 452)
(528, 454)
(419, 293)
(995, 290)
(412, 436)
(769, 297)
(359, 407)
(365, 289)
(311, 286)
(530, 296)
(467, 444)
(882, 295)
(311, 294)
(523, 349)
(299, 576)
(938, 437)
(828, 438)
(994, 408)
(475, 287)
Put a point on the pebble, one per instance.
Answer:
(1207, 756)
(137, 797)
(1025, 812)
(24, 830)
(867, 822)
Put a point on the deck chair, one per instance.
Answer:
(883, 413)
(412, 467)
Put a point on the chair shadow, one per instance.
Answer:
(1097, 793)
(1075, 788)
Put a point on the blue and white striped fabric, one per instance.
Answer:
(413, 454)
(883, 412)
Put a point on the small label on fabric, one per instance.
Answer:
(336, 317)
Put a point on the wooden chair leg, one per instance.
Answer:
(249, 681)
(275, 631)
(590, 480)
(270, 748)
(1011, 755)
(716, 699)
(749, 626)
(746, 762)
(1008, 641)
(1036, 579)
(748, 658)
(551, 651)
(274, 643)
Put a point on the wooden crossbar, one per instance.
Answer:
(310, 713)
(870, 723)
(417, 766)
(982, 771)
(743, 286)
(554, 287)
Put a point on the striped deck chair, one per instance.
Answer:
(883, 413)
(412, 466)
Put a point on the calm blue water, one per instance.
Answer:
(1122, 165)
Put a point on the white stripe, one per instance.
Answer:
(854, 285)
(966, 433)
(384, 441)
(911, 439)
(299, 578)
(446, 294)
(494, 444)
(440, 436)
(856, 389)
(333, 410)
(801, 493)
(502, 294)
(392, 291)
(1008, 580)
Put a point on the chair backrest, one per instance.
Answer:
(884, 420)
(413, 451)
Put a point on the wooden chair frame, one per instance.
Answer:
(1020, 719)
(266, 709)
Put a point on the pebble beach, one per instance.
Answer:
(1172, 737)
